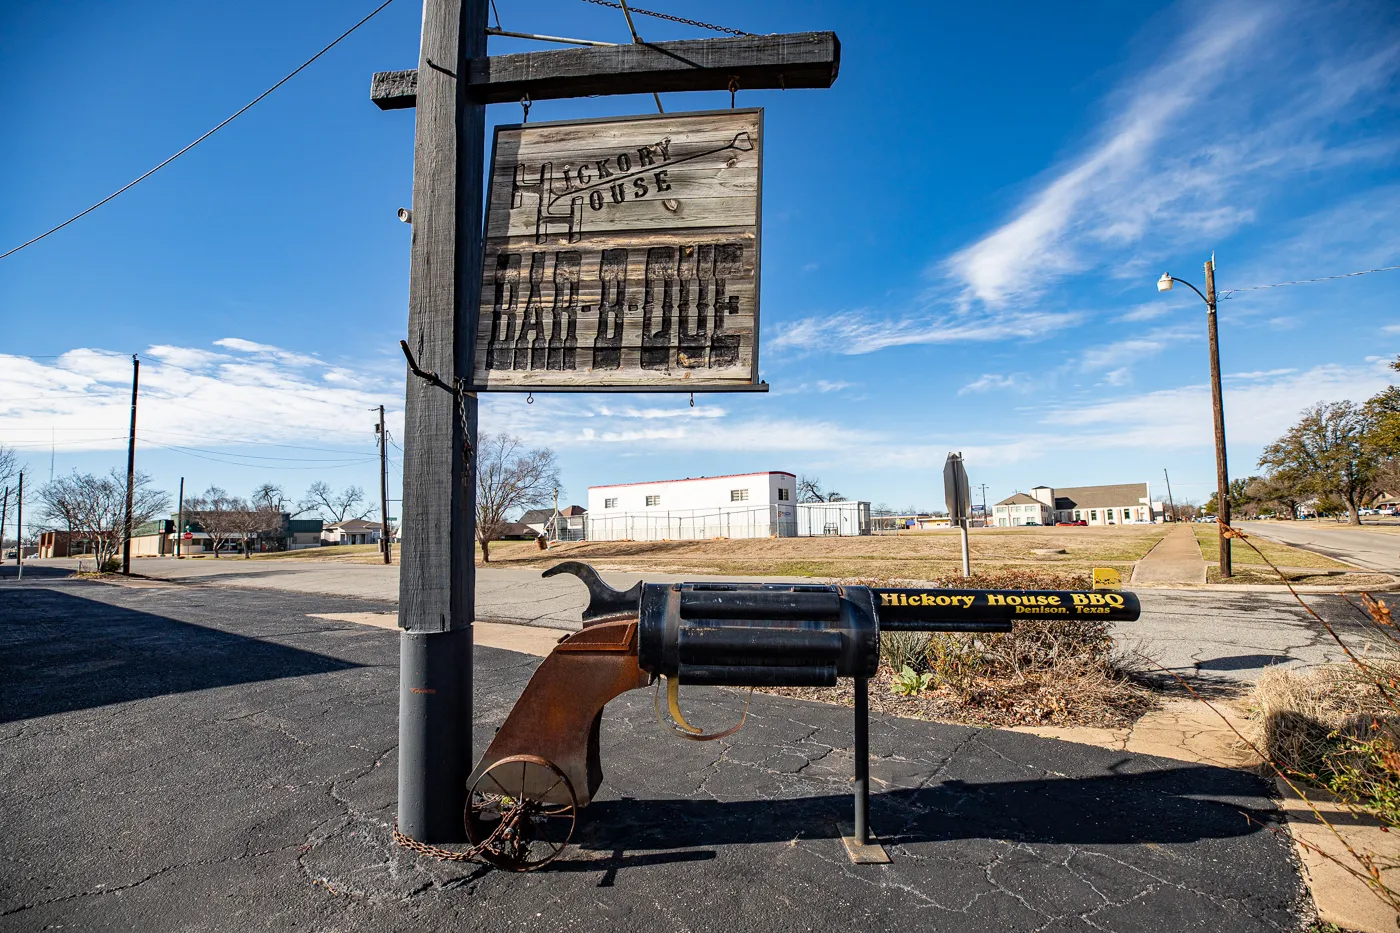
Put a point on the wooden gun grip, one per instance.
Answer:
(558, 715)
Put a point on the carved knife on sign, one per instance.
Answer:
(623, 254)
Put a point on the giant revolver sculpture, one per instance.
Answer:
(543, 763)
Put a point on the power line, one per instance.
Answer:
(324, 466)
(674, 19)
(239, 113)
(356, 457)
(1230, 292)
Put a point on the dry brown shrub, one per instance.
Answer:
(1333, 728)
(1047, 671)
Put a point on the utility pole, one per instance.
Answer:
(1170, 501)
(19, 529)
(180, 523)
(1222, 472)
(130, 468)
(384, 544)
(983, 487)
(4, 508)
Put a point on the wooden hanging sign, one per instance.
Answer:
(623, 255)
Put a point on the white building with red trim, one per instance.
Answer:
(741, 505)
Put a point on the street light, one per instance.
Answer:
(1222, 472)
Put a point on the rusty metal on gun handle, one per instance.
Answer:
(678, 725)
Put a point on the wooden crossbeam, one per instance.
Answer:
(791, 60)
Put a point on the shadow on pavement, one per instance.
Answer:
(1242, 662)
(1166, 806)
(10, 572)
(60, 652)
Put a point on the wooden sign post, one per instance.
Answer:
(449, 337)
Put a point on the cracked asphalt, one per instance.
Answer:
(208, 758)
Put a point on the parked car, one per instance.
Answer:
(1029, 524)
(1073, 524)
(1389, 510)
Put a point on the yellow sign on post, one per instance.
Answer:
(1106, 578)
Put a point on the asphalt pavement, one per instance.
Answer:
(1367, 547)
(1220, 636)
(214, 758)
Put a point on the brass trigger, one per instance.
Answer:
(673, 705)
(678, 724)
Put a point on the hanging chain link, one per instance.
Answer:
(446, 855)
(674, 19)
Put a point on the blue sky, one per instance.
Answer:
(961, 242)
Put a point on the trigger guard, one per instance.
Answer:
(678, 727)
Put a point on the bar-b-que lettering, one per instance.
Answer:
(683, 304)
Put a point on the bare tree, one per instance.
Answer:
(251, 520)
(809, 489)
(220, 515)
(273, 496)
(349, 503)
(94, 507)
(9, 465)
(509, 477)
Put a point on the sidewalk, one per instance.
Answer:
(1175, 559)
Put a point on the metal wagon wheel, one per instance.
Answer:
(521, 813)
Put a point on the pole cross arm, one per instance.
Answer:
(791, 60)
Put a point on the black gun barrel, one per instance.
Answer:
(948, 610)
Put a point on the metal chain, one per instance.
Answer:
(460, 396)
(675, 19)
(446, 855)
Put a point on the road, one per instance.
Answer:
(1226, 637)
(201, 758)
(1364, 547)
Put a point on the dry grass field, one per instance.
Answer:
(930, 555)
(917, 556)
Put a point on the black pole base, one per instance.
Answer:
(869, 852)
(435, 736)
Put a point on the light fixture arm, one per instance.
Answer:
(1193, 288)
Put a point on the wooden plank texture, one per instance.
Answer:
(435, 589)
(623, 253)
(792, 60)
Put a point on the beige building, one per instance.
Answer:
(1120, 504)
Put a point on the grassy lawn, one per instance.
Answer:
(1242, 555)
(350, 552)
(914, 556)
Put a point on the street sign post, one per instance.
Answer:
(958, 495)
(451, 306)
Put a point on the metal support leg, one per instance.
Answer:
(862, 848)
(862, 754)
(435, 753)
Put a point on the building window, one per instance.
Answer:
(784, 494)
(738, 495)
(609, 503)
(653, 500)
(1077, 515)
(1093, 515)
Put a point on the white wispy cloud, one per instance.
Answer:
(860, 332)
(189, 396)
(989, 381)
(1190, 149)
(1115, 190)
